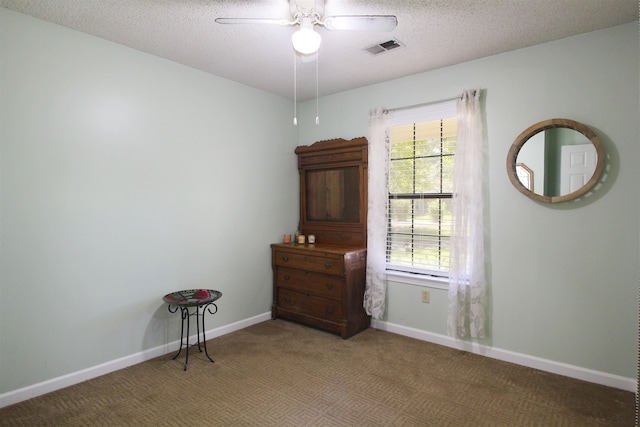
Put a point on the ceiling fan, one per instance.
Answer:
(307, 13)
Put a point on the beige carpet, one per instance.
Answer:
(279, 373)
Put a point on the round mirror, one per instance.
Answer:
(555, 160)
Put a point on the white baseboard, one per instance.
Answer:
(54, 384)
(616, 381)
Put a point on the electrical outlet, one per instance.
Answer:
(426, 297)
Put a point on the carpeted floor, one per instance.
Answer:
(279, 373)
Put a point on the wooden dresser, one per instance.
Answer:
(322, 284)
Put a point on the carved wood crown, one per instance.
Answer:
(328, 144)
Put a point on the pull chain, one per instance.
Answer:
(317, 109)
(295, 91)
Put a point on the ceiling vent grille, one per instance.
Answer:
(383, 47)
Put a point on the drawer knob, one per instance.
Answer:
(287, 277)
(329, 285)
(329, 310)
(285, 258)
(287, 299)
(328, 265)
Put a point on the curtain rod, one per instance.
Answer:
(424, 104)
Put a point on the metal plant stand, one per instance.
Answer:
(192, 302)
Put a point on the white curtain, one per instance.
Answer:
(379, 140)
(467, 285)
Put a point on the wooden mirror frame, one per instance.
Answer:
(540, 127)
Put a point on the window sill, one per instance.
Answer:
(418, 279)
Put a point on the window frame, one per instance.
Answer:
(409, 274)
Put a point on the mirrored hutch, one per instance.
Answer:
(322, 284)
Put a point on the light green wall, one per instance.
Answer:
(123, 177)
(563, 279)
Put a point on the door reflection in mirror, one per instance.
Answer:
(561, 160)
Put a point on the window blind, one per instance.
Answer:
(420, 191)
(424, 113)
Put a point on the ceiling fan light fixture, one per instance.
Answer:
(306, 41)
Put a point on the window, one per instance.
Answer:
(422, 153)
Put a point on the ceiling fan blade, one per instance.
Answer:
(361, 22)
(254, 21)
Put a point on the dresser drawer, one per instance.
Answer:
(307, 281)
(322, 264)
(310, 304)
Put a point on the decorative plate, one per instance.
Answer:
(192, 297)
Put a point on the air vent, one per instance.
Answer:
(379, 48)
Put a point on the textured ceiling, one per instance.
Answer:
(435, 33)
